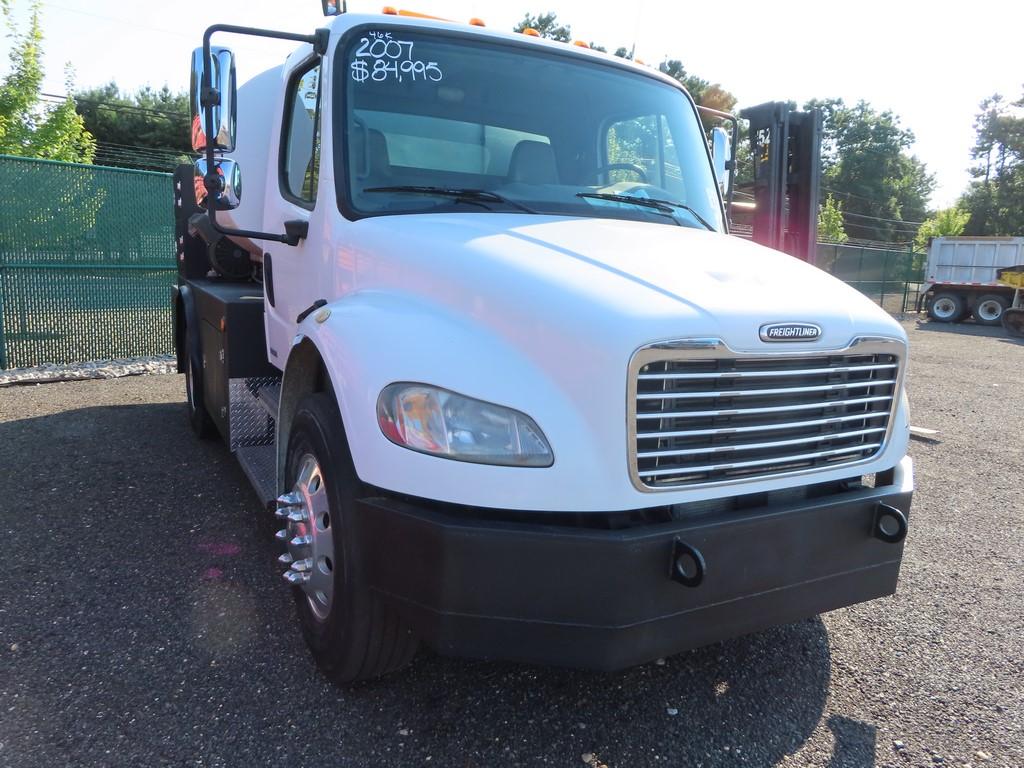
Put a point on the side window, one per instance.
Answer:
(645, 142)
(633, 142)
(300, 161)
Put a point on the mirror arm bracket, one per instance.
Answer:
(319, 41)
(295, 230)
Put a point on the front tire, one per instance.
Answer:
(353, 633)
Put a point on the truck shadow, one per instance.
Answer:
(751, 700)
(135, 493)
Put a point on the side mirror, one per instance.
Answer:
(223, 96)
(721, 155)
(333, 7)
(227, 178)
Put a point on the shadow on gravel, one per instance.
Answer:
(753, 700)
(169, 607)
(968, 329)
(854, 743)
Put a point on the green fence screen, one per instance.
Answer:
(891, 278)
(86, 262)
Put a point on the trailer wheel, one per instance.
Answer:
(353, 634)
(988, 310)
(198, 417)
(947, 307)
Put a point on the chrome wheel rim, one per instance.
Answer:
(944, 308)
(990, 310)
(310, 538)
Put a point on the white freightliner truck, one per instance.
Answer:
(477, 333)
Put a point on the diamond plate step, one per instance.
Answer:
(259, 462)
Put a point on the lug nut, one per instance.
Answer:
(289, 499)
(300, 541)
(285, 559)
(294, 514)
(302, 565)
(281, 535)
(294, 577)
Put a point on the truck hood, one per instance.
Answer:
(634, 281)
(543, 315)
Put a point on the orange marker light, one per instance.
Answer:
(531, 32)
(580, 43)
(475, 22)
(389, 10)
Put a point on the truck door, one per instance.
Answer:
(292, 274)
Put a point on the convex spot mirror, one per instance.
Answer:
(221, 65)
(228, 179)
(721, 154)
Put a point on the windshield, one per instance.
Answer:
(440, 122)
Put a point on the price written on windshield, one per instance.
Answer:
(380, 57)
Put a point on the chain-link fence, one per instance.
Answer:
(86, 262)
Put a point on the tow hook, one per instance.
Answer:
(890, 524)
(687, 565)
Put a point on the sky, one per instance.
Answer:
(929, 62)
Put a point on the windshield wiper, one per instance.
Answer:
(662, 206)
(463, 195)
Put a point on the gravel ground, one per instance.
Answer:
(143, 620)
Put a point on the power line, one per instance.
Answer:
(867, 200)
(890, 221)
(871, 200)
(115, 107)
(124, 22)
(880, 218)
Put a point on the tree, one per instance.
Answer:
(145, 129)
(703, 92)
(830, 222)
(995, 199)
(27, 126)
(949, 222)
(867, 164)
(547, 25)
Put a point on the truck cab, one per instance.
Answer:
(479, 335)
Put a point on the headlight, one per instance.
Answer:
(442, 423)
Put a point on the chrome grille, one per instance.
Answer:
(711, 416)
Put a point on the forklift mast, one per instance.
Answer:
(786, 149)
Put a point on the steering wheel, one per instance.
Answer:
(638, 170)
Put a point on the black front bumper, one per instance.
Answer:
(606, 599)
